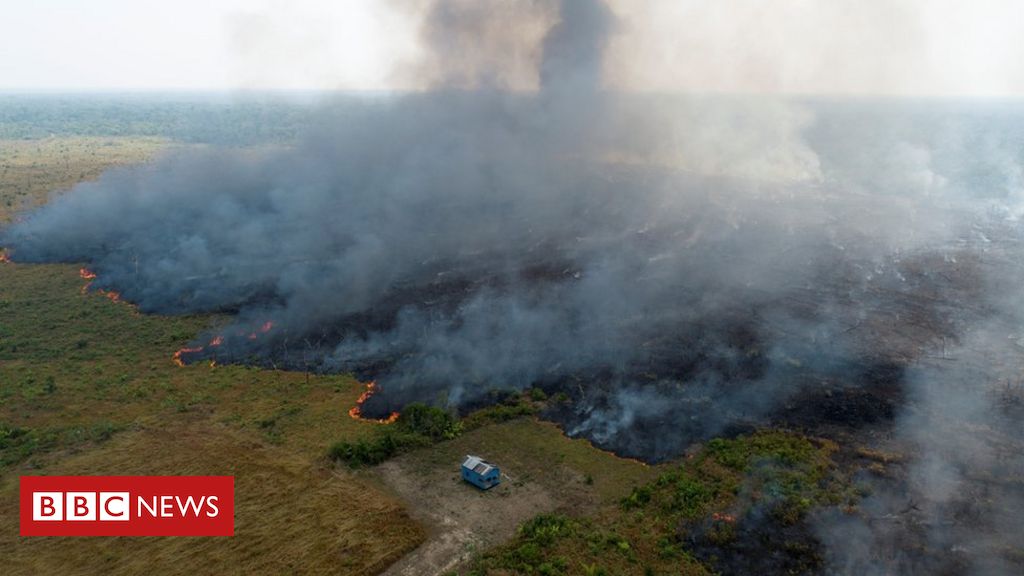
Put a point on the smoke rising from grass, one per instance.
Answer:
(679, 266)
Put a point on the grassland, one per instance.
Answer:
(88, 386)
(31, 170)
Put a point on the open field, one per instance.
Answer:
(88, 386)
(293, 515)
(31, 170)
(543, 473)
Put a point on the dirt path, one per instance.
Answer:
(462, 519)
(549, 473)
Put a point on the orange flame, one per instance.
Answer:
(177, 355)
(4, 258)
(266, 327)
(357, 411)
(89, 276)
(214, 342)
(723, 517)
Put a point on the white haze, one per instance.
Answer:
(874, 47)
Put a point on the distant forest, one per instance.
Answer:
(202, 118)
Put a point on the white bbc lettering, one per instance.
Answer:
(168, 506)
(145, 505)
(80, 506)
(47, 506)
(113, 506)
(214, 511)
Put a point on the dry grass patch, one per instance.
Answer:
(293, 516)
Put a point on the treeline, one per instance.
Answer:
(195, 119)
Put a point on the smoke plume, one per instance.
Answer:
(679, 266)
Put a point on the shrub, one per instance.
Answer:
(690, 497)
(498, 413)
(418, 425)
(370, 452)
(780, 447)
(546, 528)
(637, 498)
(434, 423)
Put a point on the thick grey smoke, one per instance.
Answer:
(680, 267)
(955, 505)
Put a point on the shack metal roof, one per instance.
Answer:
(478, 465)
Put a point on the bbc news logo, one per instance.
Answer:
(127, 505)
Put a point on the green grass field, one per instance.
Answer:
(88, 387)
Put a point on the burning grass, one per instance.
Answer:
(356, 412)
(87, 388)
(208, 352)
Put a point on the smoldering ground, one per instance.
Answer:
(679, 266)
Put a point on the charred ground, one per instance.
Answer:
(825, 355)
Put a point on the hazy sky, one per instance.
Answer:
(919, 47)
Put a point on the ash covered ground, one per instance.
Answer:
(679, 267)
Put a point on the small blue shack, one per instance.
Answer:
(480, 473)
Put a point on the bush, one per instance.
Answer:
(16, 444)
(690, 497)
(544, 529)
(434, 423)
(637, 498)
(418, 425)
(498, 413)
(739, 453)
(531, 552)
(370, 452)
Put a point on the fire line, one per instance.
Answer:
(357, 411)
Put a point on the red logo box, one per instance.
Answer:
(127, 505)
